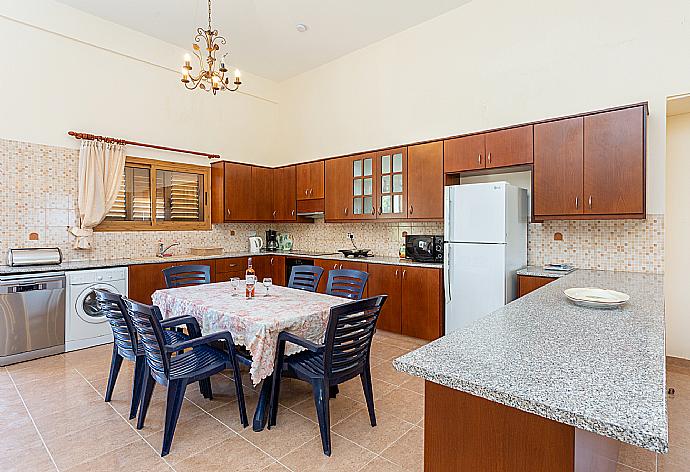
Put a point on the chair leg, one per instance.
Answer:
(321, 400)
(149, 383)
(176, 389)
(115, 364)
(368, 394)
(239, 391)
(333, 391)
(205, 388)
(139, 369)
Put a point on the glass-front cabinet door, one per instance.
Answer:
(363, 186)
(392, 183)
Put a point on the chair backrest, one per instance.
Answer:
(114, 309)
(350, 330)
(184, 275)
(305, 277)
(145, 319)
(347, 283)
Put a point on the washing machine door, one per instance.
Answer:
(86, 304)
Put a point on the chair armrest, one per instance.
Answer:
(187, 320)
(289, 337)
(203, 340)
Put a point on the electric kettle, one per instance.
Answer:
(255, 244)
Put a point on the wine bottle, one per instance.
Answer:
(250, 279)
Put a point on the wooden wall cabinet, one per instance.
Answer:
(591, 167)
(529, 283)
(390, 185)
(284, 198)
(231, 192)
(338, 204)
(310, 180)
(425, 181)
(261, 194)
(502, 148)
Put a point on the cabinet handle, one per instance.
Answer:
(228, 211)
(396, 272)
(341, 266)
(345, 211)
(373, 210)
(404, 273)
(271, 261)
(577, 202)
(274, 213)
(335, 266)
(411, 209)
(311, 192)
(380, 209)
(479, 158)
(590, 202)
(488, 158)
(292, 212)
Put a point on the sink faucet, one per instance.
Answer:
(162, 249)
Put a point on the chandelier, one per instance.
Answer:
(209, 78)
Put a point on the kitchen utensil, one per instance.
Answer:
(255, 244)
(596, 297)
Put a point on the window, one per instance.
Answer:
(159, 195)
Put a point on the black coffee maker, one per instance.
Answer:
(271, 240)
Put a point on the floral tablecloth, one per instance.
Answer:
(254, 323)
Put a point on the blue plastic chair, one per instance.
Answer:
(198, 363)
(125, 344)
(347, 283)
(185, 275)
(305, 277)
(343, 356)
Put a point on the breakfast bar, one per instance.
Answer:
(543, 384)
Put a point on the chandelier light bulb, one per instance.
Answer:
(238, 74)
(187, 58)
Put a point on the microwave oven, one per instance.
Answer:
(424, 248)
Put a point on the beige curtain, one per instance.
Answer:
(101, 167)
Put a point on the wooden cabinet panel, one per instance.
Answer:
(238, 193)
(614, 159)
(338, 204)
(422, 307)
(558, 166)
(262, 267)
(509, 147)
(277, 264)
(462, 154)
(528, 283)
(425, 181)
(284, 201)
(336, 264)
(145, 279)
(390, 184)
(310, 180)
(386, 280)
(217, 193)
(261, 196)
(231, 264)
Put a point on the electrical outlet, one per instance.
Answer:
(351, 235)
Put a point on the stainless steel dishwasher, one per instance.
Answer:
(32, 316)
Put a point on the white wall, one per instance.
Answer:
(66, 70)
(492, 63)
(677, 236)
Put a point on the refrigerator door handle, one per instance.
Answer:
(446, 276)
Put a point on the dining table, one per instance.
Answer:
(254, 323)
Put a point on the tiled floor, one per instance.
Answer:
(53, 417)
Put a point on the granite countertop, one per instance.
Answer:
(100, 263)
(539, 271)
(598, 370)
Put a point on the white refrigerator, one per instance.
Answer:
(485, 238)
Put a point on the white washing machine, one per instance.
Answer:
(84, 326)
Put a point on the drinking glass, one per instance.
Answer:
(235, 282)
(267, 283)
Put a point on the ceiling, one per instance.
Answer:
(262, 35)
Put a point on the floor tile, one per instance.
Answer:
(379, 464)
(386, 351)
(677, 459)
(637, 457)
(229, 413)
(275, 467)
(340, 408)
(404, 404)
(18, 435)
(33, 458)
(135, 457)
(155, 417)
(294, 391)
(91, 412)
(416, 384)
(89, 443)
(346, 456)
(121, 399)
(408, 451)
(49, 368)
(386, 372)
(358, 429)
(234, 453)
(353, 389)
(45, 397)
(223, 393)
(290, 432)
(192, 436)
(11, 407)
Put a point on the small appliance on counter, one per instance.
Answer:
(356, 252)
(255, 244)
(272, 240)
(34, 256)
(285, 242)
(424, 248)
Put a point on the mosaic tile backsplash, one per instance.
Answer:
(39, 194)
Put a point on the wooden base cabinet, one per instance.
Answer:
(414, 306)
(528, 283)
(145, 279)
